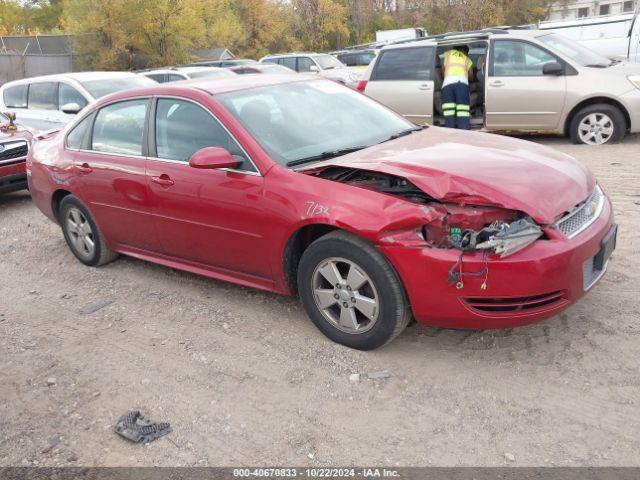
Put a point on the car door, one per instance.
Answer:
(111, 167)
(214, 218)
(519, 96)
(403, 79)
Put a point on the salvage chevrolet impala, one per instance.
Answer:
(300, 185)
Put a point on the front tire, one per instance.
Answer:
(597, 124)
(82, 234)
(351, 292)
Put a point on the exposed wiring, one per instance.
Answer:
(457, 277)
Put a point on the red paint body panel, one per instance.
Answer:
(235, 226)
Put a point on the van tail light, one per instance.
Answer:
(362, 84)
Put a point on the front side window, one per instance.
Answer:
(519, 59)
(405, 64)
(182, 128)
(43, 96)
(76, 136)
(68, 94)
(295, 122)
(15, 97)
(305, 64)
(119, 128)
(583, 12)
(158, 77)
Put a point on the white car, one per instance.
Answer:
(51, 101)
(323, 64)
(175, 74)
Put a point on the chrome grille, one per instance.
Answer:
(13, 150)
(583, 215)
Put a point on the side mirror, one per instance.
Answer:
(552, 68)
(71, 108)
(314, 68)
(213, 158)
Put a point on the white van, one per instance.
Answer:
(51, 101)
(614, 36)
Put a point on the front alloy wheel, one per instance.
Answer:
(345, 295)
(351, 292)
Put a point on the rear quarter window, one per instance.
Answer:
(15, 97)
(405, 64)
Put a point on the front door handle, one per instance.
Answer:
(163, 180)
(424, 86)
(497, 83)
(85, 168)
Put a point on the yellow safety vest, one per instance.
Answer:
(456, 64)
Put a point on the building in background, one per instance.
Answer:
(590, 8)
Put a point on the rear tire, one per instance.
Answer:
(82, 234)
(351, 292)
(597, 124)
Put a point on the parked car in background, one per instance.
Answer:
(14, 144)
(51, 101)
(356, 58)
(300, 185)
(524, 81)
(323, 64)
(270, 68)
(223, 63)
(174, 74)
(614, 36)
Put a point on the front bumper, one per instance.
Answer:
(526, 287)
(631, 101)
(13, 177)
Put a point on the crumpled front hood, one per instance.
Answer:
(479, 168)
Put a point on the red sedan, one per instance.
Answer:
(14, 143)
(299, 185)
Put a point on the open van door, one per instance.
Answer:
(402, 79)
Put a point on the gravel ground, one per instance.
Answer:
(245, 378)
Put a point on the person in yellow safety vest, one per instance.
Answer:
(455, 88)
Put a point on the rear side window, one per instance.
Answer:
(405, 64)
(119, 128)
(173, 77)
(76, 136)
(289, 62)
(68, 94)
(43, 96)
(15, 97)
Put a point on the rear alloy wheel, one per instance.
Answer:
(351, 292)
(597, 125)
(82, 235)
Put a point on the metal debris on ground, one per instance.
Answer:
(135, 427)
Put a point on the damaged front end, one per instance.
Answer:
(458, 226)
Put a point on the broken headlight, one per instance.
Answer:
(503, 238)
(510, 238)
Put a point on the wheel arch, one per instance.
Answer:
(593, 101)
(56, 200)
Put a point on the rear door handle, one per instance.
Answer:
(163, 180)
(497, 83)
(424, 86)
(85, 168)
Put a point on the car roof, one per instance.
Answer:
(215, 86)
(77, 76)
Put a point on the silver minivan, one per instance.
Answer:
(522, 81)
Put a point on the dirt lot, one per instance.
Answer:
(245, 378)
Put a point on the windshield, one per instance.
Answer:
(300, 121)
(211, 73)
(105, 86)
(575, 51)
(327, 61)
